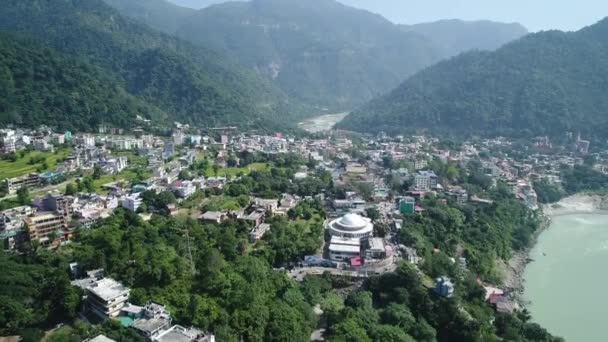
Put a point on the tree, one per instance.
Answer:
(97, 172)
(70, 189)
(23, 195)
(372, 213)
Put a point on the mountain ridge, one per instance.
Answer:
(545, 83)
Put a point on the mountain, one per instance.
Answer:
(545, 83)
(192, 84)
(318, 50)
(197, 4)
(159, 14)
(454, 37)
(39, 86)
(321, 51)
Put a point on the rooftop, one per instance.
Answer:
(101, 338)
(108, 289)
(150, 325)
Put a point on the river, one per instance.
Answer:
(322, 123)
(567, 281)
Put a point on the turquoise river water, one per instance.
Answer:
(567, 283)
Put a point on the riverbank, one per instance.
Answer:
(322, 123)
(514, 269)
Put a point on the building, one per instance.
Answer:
(444, 287)
(105, 297)
(47, 228)
(178, 333)
(100, 338)
(154, 320)
(213, 217)
(258, 232)
(425, 180)
(60, 204)
(407, 206)
(132, 202)
(351, 226)
(7, 141)
(344, 249)
(376, 249)
(29, 181)
(184, 189)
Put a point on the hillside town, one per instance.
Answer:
(368, 185)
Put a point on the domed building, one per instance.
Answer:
(351, 226)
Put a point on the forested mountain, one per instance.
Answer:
(192, 84)
(318, 50)
(159, 14)
(197, 4)
(39, 86)
(545, 83)
(321, 51)
(453, 37)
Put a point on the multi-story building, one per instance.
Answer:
(132, 203)
(62, 205)
(7, 141)
(425, 180)
(106, 297)
(184, 189)
(47, 228)
(28, 181)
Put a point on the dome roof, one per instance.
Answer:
(352, 221)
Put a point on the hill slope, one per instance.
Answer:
(454, 37)
(318, 50)
(39, 86)
(159, 14)
(192, 84)
(545, 83)
(321, 51)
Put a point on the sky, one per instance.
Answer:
(535, 15)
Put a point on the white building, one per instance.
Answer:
(106, 297)
(351, 226)
(425, 180)
(132, 202)
(344, 249)
(184, 189)
(7, 140)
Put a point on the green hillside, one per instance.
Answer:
(194, 85)
(39, 86)
(545, 83)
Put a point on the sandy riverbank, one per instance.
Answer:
(576, 204)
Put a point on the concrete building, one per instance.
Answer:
(184, 189)
(344, 249)
(29, 181)
(351, 226)
(425, 180)
(258, 232)
(132, 202)
(100, 338)
(155, 319)
(7, 141)
(407, 206)
(106, 297)
(47, 228)
(376, 249)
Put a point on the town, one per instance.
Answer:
(361, 192)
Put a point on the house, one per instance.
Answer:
(155, 319)
(411, 255)
(177, 333)
(258, 232)
(255, 218)
(184, 189)
(268, 205)
(213, 217)
(407, 205)
(100, 338)
(132, 202)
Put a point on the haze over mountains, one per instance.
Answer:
(320, 51)
(545, 83)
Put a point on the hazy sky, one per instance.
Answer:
(534, 14)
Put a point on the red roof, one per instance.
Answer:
(494, 297)
(356, 261)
